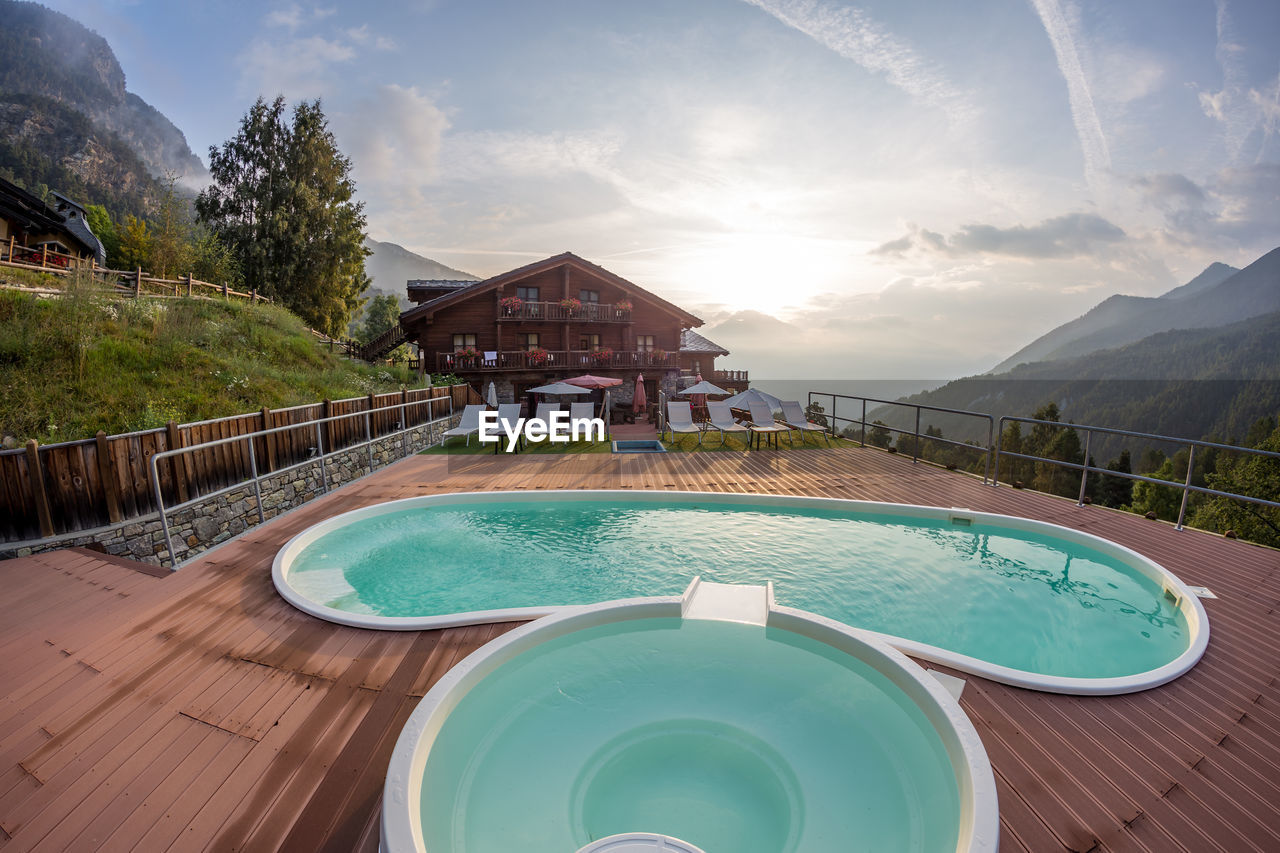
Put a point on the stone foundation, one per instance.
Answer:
(211, 522)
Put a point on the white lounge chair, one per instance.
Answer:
(468, 426)
(795, 418)
(579, 412)
(680, 419)
(720, 418)
(509, 419)
(763, 424)
(544, 414)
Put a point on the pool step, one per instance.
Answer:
(727, 602)
(640, 842)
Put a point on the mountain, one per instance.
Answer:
(391, 265)
(47, 54)
(1218, 296)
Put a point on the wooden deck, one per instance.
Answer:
(199, 711)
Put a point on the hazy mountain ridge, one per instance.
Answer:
(51, 66)
(391, 265)
(1218, 296)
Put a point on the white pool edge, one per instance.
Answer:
(1188, 602)
(979, 827)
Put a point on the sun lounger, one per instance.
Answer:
(468, 426)
(680, 419)
(509, 419)
(763, 425)
(795, 418)
(720, 418)
(581, 412)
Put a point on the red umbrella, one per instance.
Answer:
(589, 381)
(638, 402)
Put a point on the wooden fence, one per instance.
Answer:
(79, 485)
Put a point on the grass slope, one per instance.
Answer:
(71, 366)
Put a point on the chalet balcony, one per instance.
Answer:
(733, 377)
(577, 361)
(554, 312)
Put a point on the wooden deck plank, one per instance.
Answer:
(278, 709)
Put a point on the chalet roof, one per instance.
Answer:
(75, 222)
(428, 308)
(32, 214)
(692, 342)
(441, 283)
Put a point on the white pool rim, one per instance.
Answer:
(1189, 604)
(979, 827)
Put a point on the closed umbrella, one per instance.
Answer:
(492, 397)
(638, 402)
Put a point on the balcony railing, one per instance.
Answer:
(719, 377)
(588, 312)
(583, 361)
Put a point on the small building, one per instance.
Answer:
(553, 319)
(33, 232)
(698, 358)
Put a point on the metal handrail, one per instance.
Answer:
(915, 445)
(1186, 487)
(256, 477)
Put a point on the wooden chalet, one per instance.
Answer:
(556, 318)
(35, 233)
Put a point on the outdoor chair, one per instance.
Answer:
(544, 414)
(720, 418)
(680, 419)
(581, 412)
(763, 425)
(468, 426)
(509, 419)
(795, 418)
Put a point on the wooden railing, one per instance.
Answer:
(47, 490)
(578, 360)
(43, 258)
(588, 312)
(735, 376)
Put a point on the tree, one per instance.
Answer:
(170, 243)
(136, 243)
(1252, 475)
(380, 314)
(104, 229)
(282, 201)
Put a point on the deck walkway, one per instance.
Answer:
(199, 711)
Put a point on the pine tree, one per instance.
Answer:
(282, 200)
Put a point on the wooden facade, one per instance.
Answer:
(559, 317)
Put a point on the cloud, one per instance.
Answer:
(1250, 117)
(394, 138)
(289, 17)
(855, 35)
(1093, 145)
(296, 68)
(1239, 204)
(1072, 235)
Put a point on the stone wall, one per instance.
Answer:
(211, 522)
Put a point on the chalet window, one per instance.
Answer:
(530, 340)
(644, 343)
(589, 342)
(463, 341)
(527, 294)
(589, 295)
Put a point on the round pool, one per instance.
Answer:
(625, 719)
(1024, 602)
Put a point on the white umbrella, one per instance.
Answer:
(754, 395)
(492, 397)
(704, 388)
(559, 388)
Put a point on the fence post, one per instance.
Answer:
(189, 287)
(326, 434)
(44, 256)
(268, 440)
(1084, 472)
(36, 473)
(224, 289)
(137, 283)
(1186, 488)
(915, 444)
(253, 297)
(179, 475)
(9, 257)
(106, 473)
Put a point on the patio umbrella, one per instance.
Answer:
(704, 388)
(638, 402)
(558, 388)
(492, 397)
(754, 395)
(589, 381)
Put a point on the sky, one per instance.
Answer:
(888, 189)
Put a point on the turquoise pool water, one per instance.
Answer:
(1002, 595)
(731, 737)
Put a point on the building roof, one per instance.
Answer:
(32, 214)
(440, 283)
(633, 290)
(75, 222)
(692, 342)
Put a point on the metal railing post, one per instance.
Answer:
(995, 476)
(164, 519)
(915, 445)
(1084, 473)
(864, 422)
(257, 488)
(1186, 488)
(987, 470)
(324, 471)
(368, 436)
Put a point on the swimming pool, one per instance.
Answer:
(785, 732)
(1024, 602)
